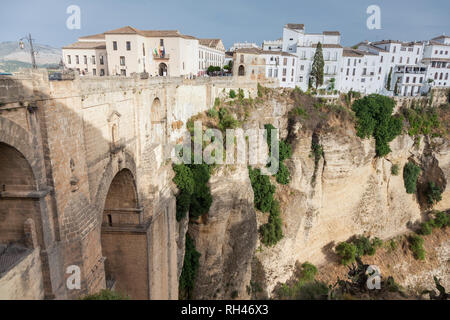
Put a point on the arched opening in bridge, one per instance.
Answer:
(123, 245)
(17, 203)
(158, 120)
(162, 69)
(241, 71)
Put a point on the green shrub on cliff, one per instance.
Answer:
(272, 232)
(347, 252)
(263, 190)
(190, 268)
(411, 173)
(433, 193)
(416, 245)
(195, 194)
(106, 294)
(374, 119)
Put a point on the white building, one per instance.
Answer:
(128, 50)
(211, 53)
(244, 45)
(361, 71)
(88, 56)
(437, 59)
(272, 45)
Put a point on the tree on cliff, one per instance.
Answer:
(316, 74)
(374, 119)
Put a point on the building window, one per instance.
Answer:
(161, 42)
(94, 72)
(270, 73)
(122, 61)
(381, 59)
(302, 67)
(123, 72)
(354, 71)
(446, 76)
(301, 79)
(348, 62)
(101, 60)
(348, 70)
(143, 50)
(414, 79)
(77, 59)
(93, 59)
(284, 72)
(85, 59)
(418, 50)
(379, 70)
(401, 59)
(69, 59)
(293, 62)
(128, 45)
(417, 60)
(285, 61)
(115, 45)
(102, 72)
(407, 61)
(392, 59)
(407, 80)
(440, 77)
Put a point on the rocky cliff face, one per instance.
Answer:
(347, 192)
(226, 237)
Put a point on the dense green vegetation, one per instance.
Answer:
(411, 173)
(283, 175)
(263, 190)
(433, 193)
(227, 120)
(106, 294)
(272, 231)
(395, 169)
(195, 195)
(441, 220)
(190, 268)
(306, 287)
(357, 247)
(416, 245)
(422, 121)
(232, 94)
(374, 119)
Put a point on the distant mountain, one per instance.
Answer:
(12, 58)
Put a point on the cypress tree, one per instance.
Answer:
(317, 67)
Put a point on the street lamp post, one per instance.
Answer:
(32, 52)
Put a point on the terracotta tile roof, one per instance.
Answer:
(150, 33)
(370, 45)
(331, 33)
(100, 36)
(260, 51)
(327, 45)
(437, 43)
(86, 45)
(350, 52)
(441, 37)
(386, 42)
(124, 30)
(295, 26)
(212, 43)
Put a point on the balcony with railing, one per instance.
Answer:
(161, 57)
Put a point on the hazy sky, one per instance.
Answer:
(231, 20)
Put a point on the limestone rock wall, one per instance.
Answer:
(226, 238)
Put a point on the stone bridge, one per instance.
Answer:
(85, 184)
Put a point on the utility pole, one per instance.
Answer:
(32, 52)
